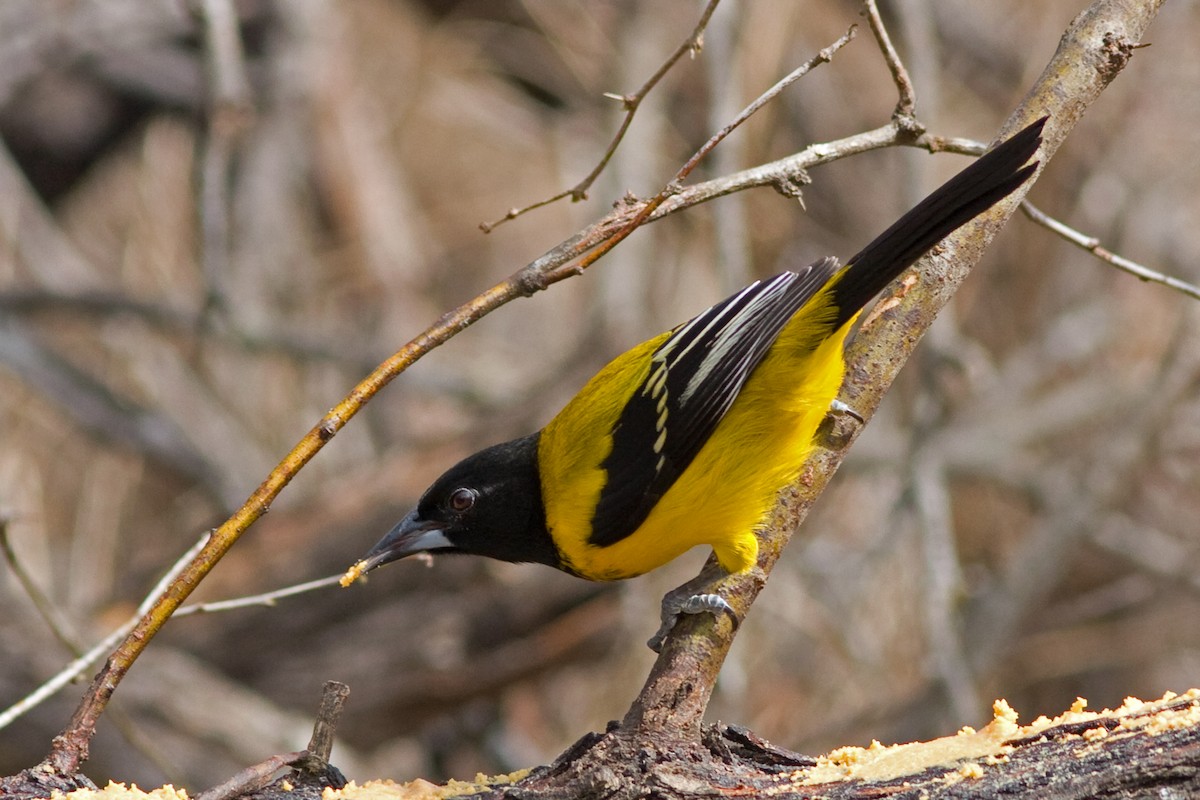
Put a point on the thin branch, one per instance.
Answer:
(253, 778)
(1081, 240)
(1093, 246)
(822, 57)
(76, 667)
(45, 607)
(789, 173)
(906, 105)
(86, 659)
(265, 599)
(956, 144)
(674, 186)
(630, 102)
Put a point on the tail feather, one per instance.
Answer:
(991, 178)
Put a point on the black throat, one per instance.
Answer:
(517, 519)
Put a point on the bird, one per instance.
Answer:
(687, 438)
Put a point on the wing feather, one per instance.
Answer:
(695, 376)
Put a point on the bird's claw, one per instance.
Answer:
(839, 407)
(673, 606)
(708, 603)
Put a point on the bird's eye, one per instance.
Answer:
(462, 499)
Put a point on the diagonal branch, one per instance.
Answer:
(1092, 245)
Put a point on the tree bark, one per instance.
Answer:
(1139, 751)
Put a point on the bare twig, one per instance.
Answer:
(86, 659)
(822, 57)
(58, 626)
(674, 186)
(1075, 237)
(630, 102)
(790, 172)
(76, 667)
(1093, 246)
(906, 105)
(252, 778)
(264, 599)
(313, 761)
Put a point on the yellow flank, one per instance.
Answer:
(729, 488)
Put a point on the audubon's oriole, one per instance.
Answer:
(687, 438)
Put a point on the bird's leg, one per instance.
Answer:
(697, 596)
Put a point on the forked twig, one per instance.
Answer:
(675, 185)
(630, 102)
(822, 57)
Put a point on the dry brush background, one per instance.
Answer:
(1019, 520)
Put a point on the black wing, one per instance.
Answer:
(695, 375)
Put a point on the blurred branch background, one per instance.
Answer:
(211, 227)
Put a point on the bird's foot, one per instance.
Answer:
(685, 600)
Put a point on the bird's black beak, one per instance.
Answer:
(411, 535)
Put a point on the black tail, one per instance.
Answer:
(967, 194)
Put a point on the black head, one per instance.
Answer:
(488, 504)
